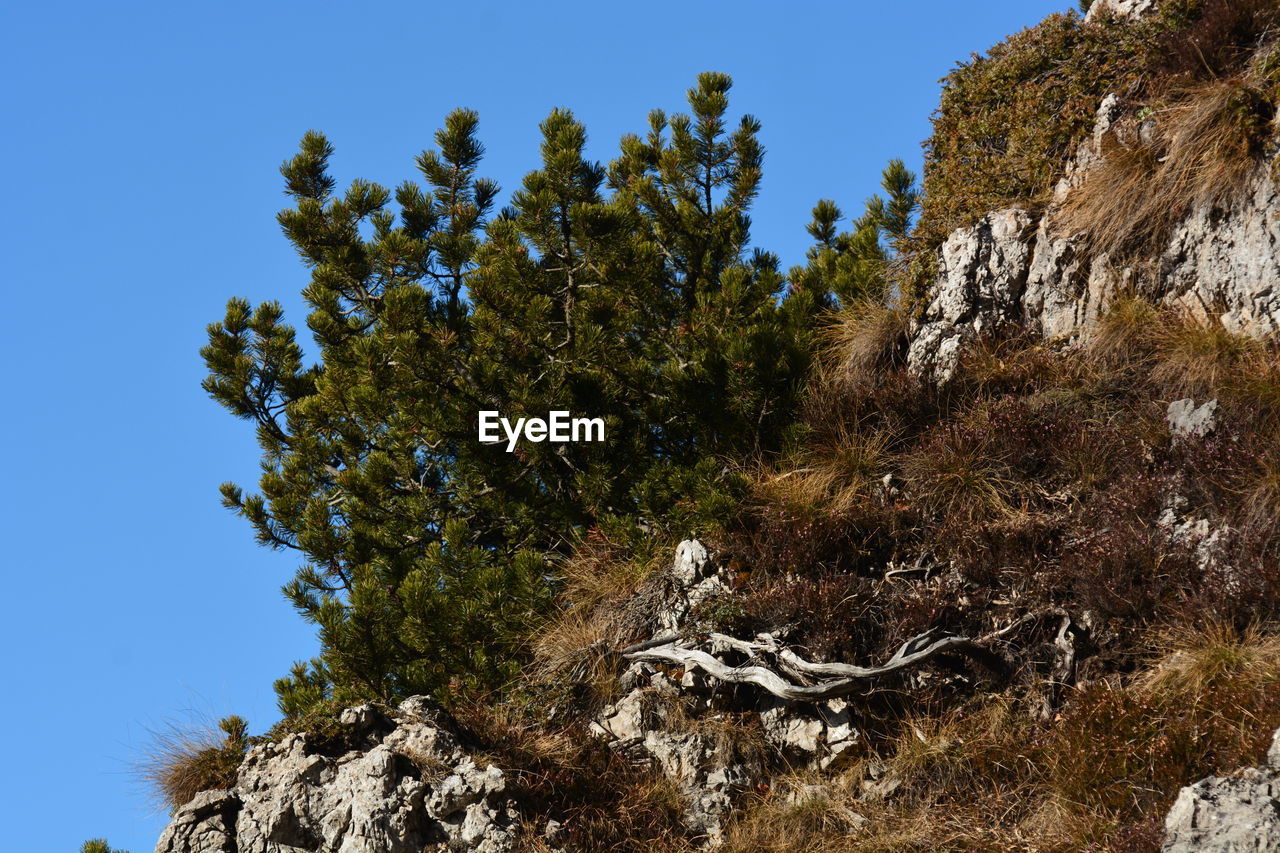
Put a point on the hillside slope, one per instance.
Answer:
(1013, 586)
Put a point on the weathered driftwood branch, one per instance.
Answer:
(840, 679)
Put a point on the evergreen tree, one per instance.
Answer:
(99, 845)
(627, 293)
(864, 262)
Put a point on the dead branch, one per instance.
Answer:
(832, 679)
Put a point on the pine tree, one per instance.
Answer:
(864, 262)
(627, 293)
(99, 845)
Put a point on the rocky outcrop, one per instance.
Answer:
(711, 741)
(692, 580)
(398, 783)
(207, 824)
(982, 276)
(1187, 420)
(1119, 8)
(1239, 813)
(1010, 268)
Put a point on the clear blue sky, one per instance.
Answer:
(140, 145)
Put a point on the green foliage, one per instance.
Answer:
(99, 845)
(864, 262)
(627, 292)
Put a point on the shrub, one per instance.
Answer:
(1214, 38)
(567, 774)
(1207, 707)
(99, 845)
(951, 475)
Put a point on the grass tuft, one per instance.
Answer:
(1195, 355)
(183, 761)
(866, 337)
(1208, 141)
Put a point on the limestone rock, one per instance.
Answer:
(1230, 814)
(1221, 262)
(706, 774)
(820, 733)
(690, 563)
(207, 824)
(980, 286)
(403, 783)
(1130, 9)
(1225, 263)
(1187, 420)
(694, 579)
(789, 731)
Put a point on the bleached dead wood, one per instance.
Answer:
(818, 680)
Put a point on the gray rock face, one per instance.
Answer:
(1231, 814)
(1221, 263)
(819, 735)
(694, 580)
(291, 795)
(1227, 263)
(980, 286)
(1131, 9)
(207, 824)
(1187, 420)
(706, 774)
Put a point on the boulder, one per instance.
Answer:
(1229, 814)
(1187, 420)
(1123, 9)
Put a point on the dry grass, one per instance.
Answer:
(1196, 355)
(993, 775)
(573, 646)
(1197, 659)
(952, 477)
(1257, 386)
(810, 811)
(183, 761)
(565, 773)
(1208, 705)
(967, 748)
(1123, 333)
(801, 812)
(865, 337)
(1262, 500)
(1209, 141)
(834, 476)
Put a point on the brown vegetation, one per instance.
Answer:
(1204, 72)
(1204, 144)
(183, 761)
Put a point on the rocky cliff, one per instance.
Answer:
(1015, 268)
